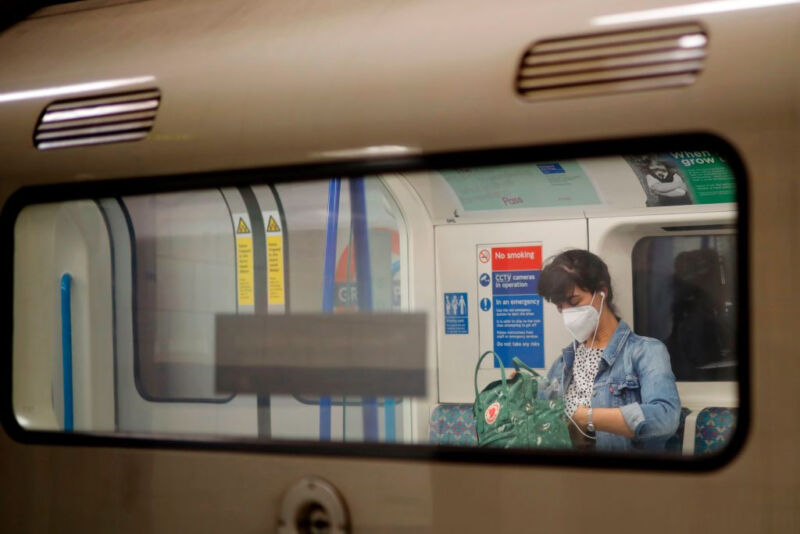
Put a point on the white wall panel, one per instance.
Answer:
(456, 271)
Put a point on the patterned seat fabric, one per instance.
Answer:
(714, 429)
(453, 424)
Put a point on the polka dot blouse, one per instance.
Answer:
(584, 371)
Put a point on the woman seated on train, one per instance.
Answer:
(618, 387)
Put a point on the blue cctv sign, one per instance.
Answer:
(515, 282)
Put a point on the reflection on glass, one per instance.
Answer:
(693, 278)
(317, 311)
(184, 264)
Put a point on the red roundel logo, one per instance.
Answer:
(492, 412)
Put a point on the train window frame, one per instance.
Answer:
(120, 187)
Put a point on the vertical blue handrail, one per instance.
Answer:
(358, 217)
(66, 350)
(389, 419)
(328, 288)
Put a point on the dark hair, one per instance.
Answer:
(657, 163)
(575, 268)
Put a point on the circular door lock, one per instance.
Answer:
(313, 506)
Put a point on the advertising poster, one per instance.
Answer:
(533, 185)
(675, 178)
(510, 316)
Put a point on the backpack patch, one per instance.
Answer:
(492, 412)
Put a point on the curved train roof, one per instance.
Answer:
(250, 83)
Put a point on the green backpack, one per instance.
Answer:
(508, 413)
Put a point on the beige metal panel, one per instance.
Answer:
(367, 88)
(748, 93)
(160, 490)
(118, 490)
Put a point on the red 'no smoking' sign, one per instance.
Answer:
(484, 256)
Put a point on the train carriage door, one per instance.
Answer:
(179, 259)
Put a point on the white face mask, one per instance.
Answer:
(581, 321)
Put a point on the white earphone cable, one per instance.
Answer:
(578, 427)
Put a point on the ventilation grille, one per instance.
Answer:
(93, 121)
(612, 62)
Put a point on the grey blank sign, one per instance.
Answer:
(369, 354)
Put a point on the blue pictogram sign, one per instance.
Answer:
(456, 313)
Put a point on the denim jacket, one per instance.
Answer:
(635, 376)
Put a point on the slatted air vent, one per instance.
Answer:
(629, 60)
(92, 121)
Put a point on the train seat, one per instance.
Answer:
(713, 429)
(452, 424)
(709, 430)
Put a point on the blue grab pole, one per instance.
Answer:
(328, 288)
(358, 217)
(331, 232)
(390, 423)
(66, 350)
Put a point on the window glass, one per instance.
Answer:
(527, 304)
(185, 273)
(685, 295)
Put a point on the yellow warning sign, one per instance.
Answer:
(245, 292)
(275, 285)
(272, 226)
(244, 270)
